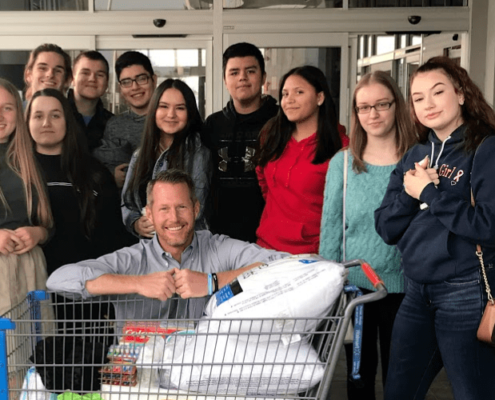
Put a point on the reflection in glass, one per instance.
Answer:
(385, 44)
(407, 3)
(143, 5)
(281, 4)
(43, 5)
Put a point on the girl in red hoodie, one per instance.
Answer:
(296, 147)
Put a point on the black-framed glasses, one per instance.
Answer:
(141, 80)
(378, 107)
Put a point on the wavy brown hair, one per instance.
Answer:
(477, 114)
(404, 133)
(33, 56)
(20, 158)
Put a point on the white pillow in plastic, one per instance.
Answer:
(238, 365)
(295, 292)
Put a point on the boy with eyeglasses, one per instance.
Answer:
(122, 136)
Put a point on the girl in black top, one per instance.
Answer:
(25, 216)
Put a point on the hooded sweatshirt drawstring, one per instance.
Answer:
(439, 154)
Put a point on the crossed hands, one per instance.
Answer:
(415, 180)
(21, 240)
(162, 285)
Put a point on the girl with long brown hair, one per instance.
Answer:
(25, 216)
(427, 212)
(381, 132)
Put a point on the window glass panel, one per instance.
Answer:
(123, 5)
(278, 61)
(362, 45)
(385, 44)
(186, 64)
(281, 4)
(43, 5)
(407, 3)
(415, 39)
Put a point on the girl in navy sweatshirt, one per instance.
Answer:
(427, 213)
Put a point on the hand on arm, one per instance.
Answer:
(416, 180)
(157, 285)
(144, 227)
(30, 237)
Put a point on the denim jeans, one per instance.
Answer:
(436, 326)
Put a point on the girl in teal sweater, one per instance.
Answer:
(380, 134)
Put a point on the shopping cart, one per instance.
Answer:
(172, 358)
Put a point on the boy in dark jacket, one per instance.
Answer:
(233, 133)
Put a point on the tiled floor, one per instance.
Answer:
(440, 390)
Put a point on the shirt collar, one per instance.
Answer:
(155, 243)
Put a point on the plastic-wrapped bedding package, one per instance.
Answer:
(238, 365)
(294, 292)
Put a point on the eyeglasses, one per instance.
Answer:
(141, 80)
(377, 107)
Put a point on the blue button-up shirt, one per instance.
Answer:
(207, 253)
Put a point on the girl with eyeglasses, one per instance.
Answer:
(296, 146)
(171, 139)
(428, 213)
(381, 133)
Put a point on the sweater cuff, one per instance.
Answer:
(428, 194)
(408, 201)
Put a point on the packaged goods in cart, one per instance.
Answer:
(301, 287)
(124, 353)
(140, 331)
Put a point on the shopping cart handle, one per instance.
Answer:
(370, 273)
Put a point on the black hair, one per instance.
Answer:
(92, 55)
(130, 58)
(277, 132)
(184, 141)
(75, 160)
(243, 50)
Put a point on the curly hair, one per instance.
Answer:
(477, 114)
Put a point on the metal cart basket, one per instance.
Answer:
(80, 348)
